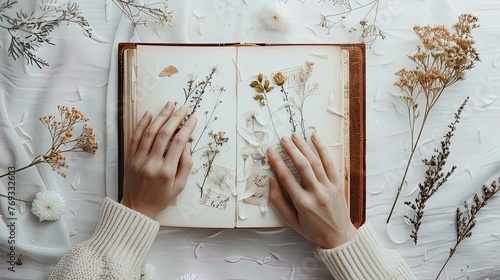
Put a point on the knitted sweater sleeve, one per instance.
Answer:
(364, 257)
(117, 249)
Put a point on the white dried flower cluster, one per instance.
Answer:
(276, 15)
(48, 206)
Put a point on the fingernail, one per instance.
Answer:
(169, 105)
(145, 114)
(193, 118)
(183, 108)
(314, 136)
(271, 150)
(295, 135)
(285, 139)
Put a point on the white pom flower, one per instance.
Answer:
(277, 16)
(48, 206)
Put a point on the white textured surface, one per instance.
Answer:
(85, 69)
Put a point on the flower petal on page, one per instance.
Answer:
(263, 205)
(239, 210)
(247, 135)
(247, 194)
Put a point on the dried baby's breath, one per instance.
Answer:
(442, 59)
(62, 141)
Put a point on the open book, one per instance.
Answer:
(246, 97)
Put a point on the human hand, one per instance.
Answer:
(317, 209)
(158, 161)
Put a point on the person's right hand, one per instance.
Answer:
(318, 209)
(158, 160)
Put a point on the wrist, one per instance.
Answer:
(339, 238)
(143, 209)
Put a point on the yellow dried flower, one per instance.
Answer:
(279, 78)
(62, 139)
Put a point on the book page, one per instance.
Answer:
(310, 100)
(202, 78)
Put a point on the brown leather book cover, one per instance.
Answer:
(356, 181)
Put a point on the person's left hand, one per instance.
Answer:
(158, 161)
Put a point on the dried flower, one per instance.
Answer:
(141, 14)
(214, 148)
(262, 85)
(434, 176)
(368, 30)
(29, 31)
(279, 78)
(48, 206)
(466, 220)
(441, 60)
(276, 15)
(61, 132)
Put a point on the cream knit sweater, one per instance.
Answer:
(123, 237)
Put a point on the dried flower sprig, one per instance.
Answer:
(369, 28)
(466, 220)
(214, 147)
(304, 89)
(280, 79)
(209, 119)
(434, 176)
(441, 60)
(196, 90)
(263, 87)
(29, 31)
(61, 133)
(139, 14)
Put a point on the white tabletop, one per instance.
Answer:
(83, 74)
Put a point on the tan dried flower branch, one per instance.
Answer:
(441, 60)
(466, 220)
(434, 176)
(61, 133)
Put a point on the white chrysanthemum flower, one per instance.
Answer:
(149, 272)
(277, 16)
(48, 206)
